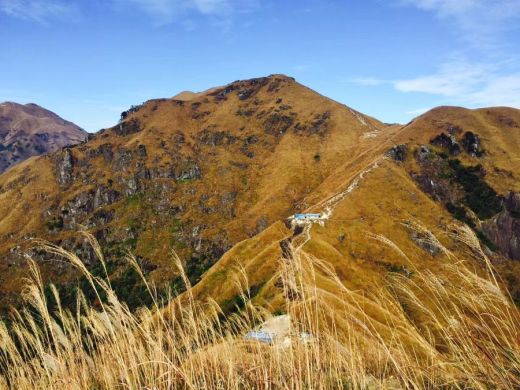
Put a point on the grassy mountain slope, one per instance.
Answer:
(396, 287)
(216, 175)
(390, 200)
(198, 176)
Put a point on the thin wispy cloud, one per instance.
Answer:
(460, 82)
(478, 21)
(452, 79)
(418, 111)
(483, 73)
(168, 11)
(40, 11)
(476, 84)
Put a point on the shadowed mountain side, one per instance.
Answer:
(30, 130)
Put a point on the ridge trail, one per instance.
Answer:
(328, 205)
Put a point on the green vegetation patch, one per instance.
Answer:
(125, 282)
(55, 224)
(480, 197)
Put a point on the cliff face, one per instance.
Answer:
(504, 228)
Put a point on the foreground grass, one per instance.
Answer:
(450, 329)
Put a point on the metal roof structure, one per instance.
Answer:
(261, 336)
(307, 216)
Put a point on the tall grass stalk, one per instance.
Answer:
(452, 329)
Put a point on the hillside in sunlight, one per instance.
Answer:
(214, 177)
(394, 212)
(197, 176)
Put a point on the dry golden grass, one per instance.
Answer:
(450, 329)
(268, 183)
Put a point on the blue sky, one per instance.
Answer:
(392, 59)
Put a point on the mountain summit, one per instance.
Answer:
(30, 130)
(216, 175)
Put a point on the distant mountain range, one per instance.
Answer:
(30, 130)
(215, 176)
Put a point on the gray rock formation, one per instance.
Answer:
(398, 153)
(65, 167)
(504, 228)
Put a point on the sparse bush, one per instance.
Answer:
(480, 197)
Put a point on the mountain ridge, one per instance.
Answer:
(28, 130)
(209, 175)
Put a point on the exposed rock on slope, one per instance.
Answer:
(213, 176)
(197, 176)
(30, 130)
(426, 185)
(504, 228)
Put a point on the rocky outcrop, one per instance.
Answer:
(277, 124)
(471, 144)
(447, 142)
(449, 181)
(141, 151)
(425, 242)
(78, 209)
(65, 167)
(190, 171)
(104, 150)
(216, 138)
(128, 127)
(319, 125)
(132, 185)
(504, 229)
(512, 204)
(122, 159)
(398, 153)
(131, 110)
(423, 238)
(438, 189)
(244, 89)
(105, 196)
(431, 179)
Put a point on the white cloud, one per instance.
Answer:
(479, 20)
(166, 11)
(40, 11)
(460, 82)
(499, 91)
(446, 7)
(465, 83)
(452, 79)
(495, 78)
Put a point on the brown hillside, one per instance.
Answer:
(216, 177)
(387, 198)
(199, 176)
(30, 130)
